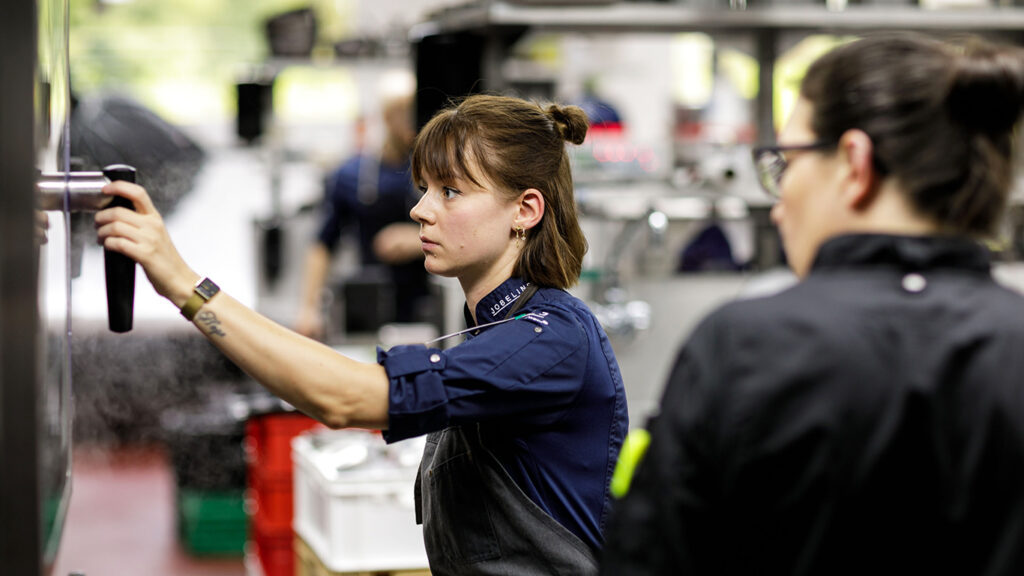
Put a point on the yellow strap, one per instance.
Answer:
(633, 449)
(192, 306)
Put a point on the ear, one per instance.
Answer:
(529, 208)
(856, 151)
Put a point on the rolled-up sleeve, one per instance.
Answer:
(529, 370)
(417, 399)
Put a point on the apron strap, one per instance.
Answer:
(527, 294)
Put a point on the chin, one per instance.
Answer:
(437, 269)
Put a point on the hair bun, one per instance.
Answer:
(987, 92)
(571, 122)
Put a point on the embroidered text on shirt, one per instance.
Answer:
(509, 299)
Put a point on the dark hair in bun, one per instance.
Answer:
(570, 121)
(941, 118)
(987, 91)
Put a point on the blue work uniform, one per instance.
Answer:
(368, 207)
(541, 395)
(348, 204)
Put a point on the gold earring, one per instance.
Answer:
(520, 236)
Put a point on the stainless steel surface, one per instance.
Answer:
(83, 190)
(35, 376)
(677, 305)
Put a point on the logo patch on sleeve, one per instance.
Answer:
(536, 317)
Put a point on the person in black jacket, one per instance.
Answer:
(869, 419)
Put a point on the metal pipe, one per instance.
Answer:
(82, 189)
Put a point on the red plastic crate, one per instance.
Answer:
(269, 443)
(275, 553)
(273, 504)
(268, 449)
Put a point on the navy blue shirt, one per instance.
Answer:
(546, 390)
(366, 209)
(387, 202)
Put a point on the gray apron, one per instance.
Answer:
(476, 520)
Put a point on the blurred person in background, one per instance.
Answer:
(869, 419)
(369, 196)
(526, 416)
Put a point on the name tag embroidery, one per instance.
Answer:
(509, 299)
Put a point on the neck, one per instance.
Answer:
(476, 286)
(892, 213)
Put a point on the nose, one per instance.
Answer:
(420, 213)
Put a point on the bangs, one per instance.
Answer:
(440, 151)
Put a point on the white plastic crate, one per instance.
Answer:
(354, 500)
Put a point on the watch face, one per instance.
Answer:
(207, 288)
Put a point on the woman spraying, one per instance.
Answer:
(526, 416)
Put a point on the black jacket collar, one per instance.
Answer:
(904, 252)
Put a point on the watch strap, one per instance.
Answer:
(201, 294)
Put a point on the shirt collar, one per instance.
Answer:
(496, 305)
(905, 252)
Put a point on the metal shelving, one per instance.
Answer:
(650, 17)
(497, 25)
(501, 23)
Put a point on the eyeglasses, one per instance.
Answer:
(771, 163)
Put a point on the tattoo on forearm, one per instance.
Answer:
(211, 323)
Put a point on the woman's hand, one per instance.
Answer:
(311, 376)
(141, 236)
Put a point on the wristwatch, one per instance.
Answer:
(201, 294)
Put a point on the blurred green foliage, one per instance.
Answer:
(181, 57)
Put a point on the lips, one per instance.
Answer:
(427, 244)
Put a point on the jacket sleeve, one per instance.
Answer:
(667, 522)
(527, 373)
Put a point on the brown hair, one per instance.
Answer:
(941, 119)
(517, 145)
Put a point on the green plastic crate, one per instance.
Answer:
(213, 523)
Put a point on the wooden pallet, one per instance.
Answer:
(307, 563)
